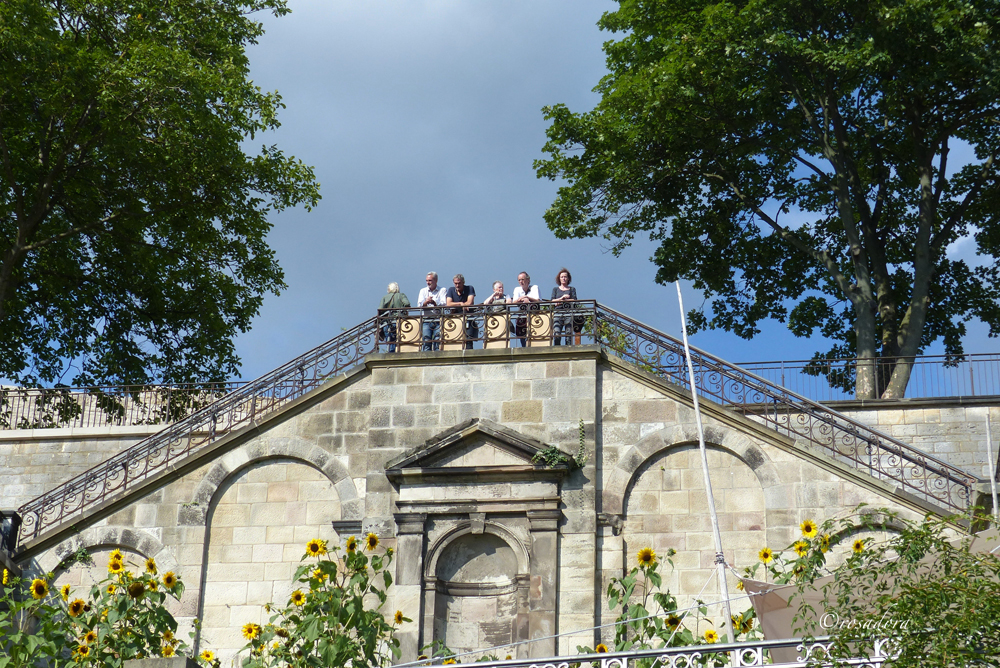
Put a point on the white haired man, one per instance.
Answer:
(392, 299)
(430, 298)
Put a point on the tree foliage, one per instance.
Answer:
(808, 162)
(132, 222)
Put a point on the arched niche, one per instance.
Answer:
(477, 586)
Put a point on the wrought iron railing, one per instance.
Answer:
(236, 409)
(930, 376)
(847, 440)
(794, 653)
(105, 406)
(586, 322)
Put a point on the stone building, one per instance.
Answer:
(436, 453)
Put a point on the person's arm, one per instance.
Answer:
(406, 301)
(448, 300)
(532, 295)
(471, 299)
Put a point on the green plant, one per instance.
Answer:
(581, 453)
(331, 620)
(122, 617)
(552, 456)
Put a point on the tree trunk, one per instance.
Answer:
(866, 385)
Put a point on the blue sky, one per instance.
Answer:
(422, 119)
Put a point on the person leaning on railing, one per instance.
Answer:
(428, 298)
(463, 295)
(392, 299)
(525, 293)
(563, 293)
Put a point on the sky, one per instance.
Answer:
(422, 119)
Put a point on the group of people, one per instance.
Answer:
(460, 296)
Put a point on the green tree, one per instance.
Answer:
(132, 222)
(792, 160)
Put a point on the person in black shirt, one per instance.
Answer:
(463, 295)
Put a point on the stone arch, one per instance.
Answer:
(485, 605)
(254, 452)
(665, 507)
(136, 540)
(260, 504)
(621, 478)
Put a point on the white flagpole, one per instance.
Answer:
(992, 463)
(720, 557)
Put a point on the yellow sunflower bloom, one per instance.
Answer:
(859, 546)
(824, 543)
(251, 631)
(90, 636)
(801, 548)
(169, 579)
(352, 544)
(64, 592)
(112, 589)
(167, 650)
(6, 576)
(115, 567)
(799, 570)
(168, 636)
(318, 574)
(39, 589)
(316, 547)
(207, 656)
(766, 555)
(83, 651)
(673, 621)
(601, 649)
(646, 557)
(398, 617)
(298, 598)
(746, 626)
(371, 541)
(711, 636)
(449, 662)
(739, 585)
(151, 566)
(809, 529)
(116, 555)
(75, 608)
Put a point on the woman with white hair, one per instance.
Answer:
(392, 299)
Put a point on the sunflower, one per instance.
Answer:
(76, 607)
(6, 576)
(280, 632)
(352, 544)
(809, 529)
(83, 651)
(208, 656)
(90, 636)
(601, 648)
(64, 592)
(711, 636)
(737, 620)
(153, 585)
(398, 617)
(316, 547)
(801, 548)
(766, 555)
(799, 570)
(167, 636)
(824, 543)
(169, 579)
(319, 574)
(112, 589)
(115, 567)
(371, 541)
(449, 662)
(116, 555)
(747, 625)
(167, 650)
(739, 585)
(151, 566)
(298, 598)
(136, 590)
(673, 621)
(251, 631)
(859, 546)
(646, 557)
(39, 589)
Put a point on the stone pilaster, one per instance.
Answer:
(544, 528)
(410, 536)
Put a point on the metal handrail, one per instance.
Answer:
(845, 439)
(130, 467)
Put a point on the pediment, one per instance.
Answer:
(475, 447)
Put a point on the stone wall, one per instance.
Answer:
(432, 452)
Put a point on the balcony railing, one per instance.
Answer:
(500, 326)
(107, 406)
(932, 376)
